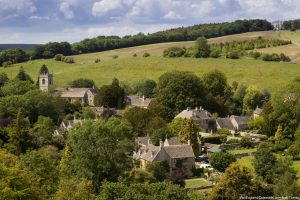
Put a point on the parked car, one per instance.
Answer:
(206, 166)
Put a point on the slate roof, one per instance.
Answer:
(241, 120)
(179, 151)
(148, 152)
(73, 92)
(194, 114)
(172, 141)
(142, 140)
(225, 123)
(138, 101)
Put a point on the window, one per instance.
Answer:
(43, 81)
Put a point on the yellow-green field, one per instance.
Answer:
(126, 68)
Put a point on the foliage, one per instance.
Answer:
(23, 76)
(88, 113)
(291, 25)
(174, 52)
(105, 154)
(69, 60)
(179, 90)
(15, 182)
(141, 176)
(177, 177)
(238, 182)
(287, 186)
(75, 189)
(223, 131)
(16, 87)
(51, 49)
(215, 139)
(58, 57)
(145, 88)
(252, 99)
(43, 163)
(202, 49)
(275, 57)
(82, 83)
(216, 82)
(158, 169)
(112, 96)
(3, 78)
(139, 191)
(146, 54)
(221, 160)
(246, 142)
(13, 56)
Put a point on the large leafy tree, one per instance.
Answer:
(23, 76)
(252, 99)
(99, 150)
(82, 83)
(221, 160)
(112, 96)
(238, 181)
(42, 131)
(146, 88)
(16, 87)
(216, 82)
(158, 169)
(178, 90)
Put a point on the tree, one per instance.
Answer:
(43, 163)
(238, 181)
(3, 78)
(105, 154)
(42, 131)
(44, 69)
(189, 131)
(159, 170)
(216, 82)
(246, 141)
(82, 83)
(221, 160)
(202, 48)
(146, 88)
(139, 118)
(137, 191)
(16, 183)
(252, 99)
(177, 177)
(112, 96)
(19, 137)
(22, 76)
(17, 87)
(178, 90)
(88, 113)
(264, 162)
(141, 176)
(287, 186)
(75, 189)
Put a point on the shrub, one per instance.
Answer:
(215, 53)
(97, 60)
(245, 142)
(69, 60)
(223, 131)
(233, 55)
(221, 160)
(134, 55)
(115, 57)
(255, 54)
(146, 54)
(284, 58)
(215, 139)
(197, 171)
(189, 52)
(58, 57)
(7, 64)
(174, 52)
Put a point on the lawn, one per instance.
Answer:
(238, 151)
(196, 182)
(255, 73)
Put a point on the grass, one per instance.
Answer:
(238, 151)
(296, 165)
(255, 73)
(196, 182)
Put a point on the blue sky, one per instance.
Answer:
(41, 21)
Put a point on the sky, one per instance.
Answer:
(42, 21)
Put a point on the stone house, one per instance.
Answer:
(240, 122)
(201, 117)
(225, 123)
(174, 155)
(257, 112)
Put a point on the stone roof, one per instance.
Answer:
(241, 120)
(194, 114)
(171, 141)
(73, 92)
(258, 111)
(143, 140)
(225, 123)
(148, 152)
(138, 101)
(179, 151)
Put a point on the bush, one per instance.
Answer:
(284, 58)
(174, 52)
(115, 57)
(215, 139)
(223, 131)
(134, 55)
(146, 54)
(197, 171)
(69, 60)
(215, 53)
(245, 142)
(97, 60)
(275, 57)
(221, 160)
(255, 54)
(7, 64)
(58, 57)
(233, 55)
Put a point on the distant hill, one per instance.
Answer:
(14, 46)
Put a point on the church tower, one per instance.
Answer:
(45, 80)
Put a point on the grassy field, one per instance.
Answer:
(196, 182)
(238, 151)
(126, 68)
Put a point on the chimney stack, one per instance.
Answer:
(189, 142)
(149, 141)
(161, 143)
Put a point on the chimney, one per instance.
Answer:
(196, 108)
(143, 98)
(149, 141)
(161, 143)
(189, 142)
(200, 108)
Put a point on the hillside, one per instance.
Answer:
(260, 74)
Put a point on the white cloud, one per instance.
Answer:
(14, 8)
(64, 7)
(173, 15)
(103, 7)
(37, 17)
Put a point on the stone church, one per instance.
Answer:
(84, 95)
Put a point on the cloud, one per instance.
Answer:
(64, 7)
(103, 7)
(172, 16)
(10, 9)
(36, 17)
